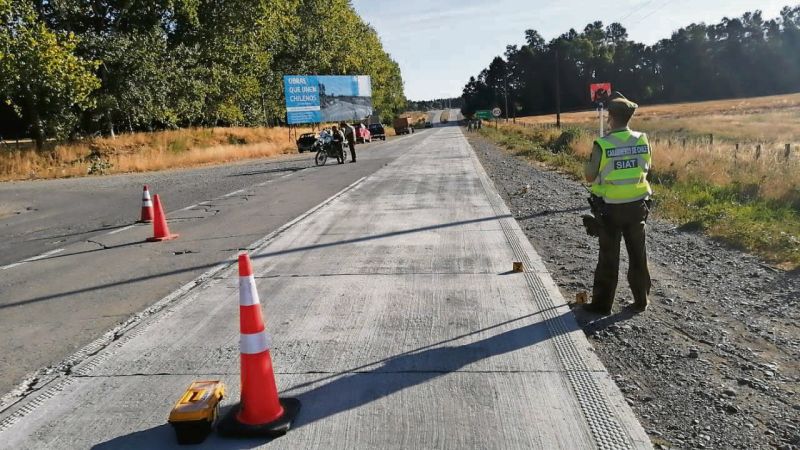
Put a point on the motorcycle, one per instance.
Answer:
(327, 148)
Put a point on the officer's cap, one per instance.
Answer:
(618, 105)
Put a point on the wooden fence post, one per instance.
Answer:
(684, 142)
(711, 138)
(787, 151)
(758, 151)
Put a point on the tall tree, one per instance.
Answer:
(40, 76)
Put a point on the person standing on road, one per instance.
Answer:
(350, 134)
(338, 142)
(621, 194)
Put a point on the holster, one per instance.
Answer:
(594, 221)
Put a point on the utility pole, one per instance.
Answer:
(505, 91)
(558, 92)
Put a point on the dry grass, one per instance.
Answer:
(767, 120)
(681, 135)
(743, 197)
(141, 152)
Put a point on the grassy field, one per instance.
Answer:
(747, 197)
(141, 152)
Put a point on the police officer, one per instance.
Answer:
(621, 195)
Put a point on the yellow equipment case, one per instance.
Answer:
(194, 415)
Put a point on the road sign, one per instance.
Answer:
(483, 114)
(324, 98)
(599, 92)
(496, 112)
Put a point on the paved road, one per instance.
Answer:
(395, 321)
(97, 271)
(434, 117)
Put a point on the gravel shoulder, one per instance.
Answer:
(714, 362)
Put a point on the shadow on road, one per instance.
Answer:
(144, 278)
(379, 236)
(359, 386)
(401, 372)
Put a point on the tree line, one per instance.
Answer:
(738, 57)
(439, 103)
(77, 67)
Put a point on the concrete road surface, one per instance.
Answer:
(395, 320)
(73, 265)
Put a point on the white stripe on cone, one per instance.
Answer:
(253, 344)
(147, 203)
(248, 294)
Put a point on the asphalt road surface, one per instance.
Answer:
(395, 319)
(73, 264)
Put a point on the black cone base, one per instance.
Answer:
(231, 427)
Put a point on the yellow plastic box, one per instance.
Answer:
(194, 415)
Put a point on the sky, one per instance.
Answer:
(439, 44)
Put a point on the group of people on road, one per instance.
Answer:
(474, 125)
(341, 135)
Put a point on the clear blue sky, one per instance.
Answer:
(441, 43)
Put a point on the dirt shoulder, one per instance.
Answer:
(714, 362)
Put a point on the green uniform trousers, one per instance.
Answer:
(622, 220)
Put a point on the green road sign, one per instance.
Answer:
(484, 114)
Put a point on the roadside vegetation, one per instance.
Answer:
(71, 69)
(747, 56)
(749, 198)
(142, 152)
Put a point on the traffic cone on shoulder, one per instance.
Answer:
(260, 412)
(147, 206)
(160, 228)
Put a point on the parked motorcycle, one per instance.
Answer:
(327, 148)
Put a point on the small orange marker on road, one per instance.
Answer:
(147, 206)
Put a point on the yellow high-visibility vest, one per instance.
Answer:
(625, 161)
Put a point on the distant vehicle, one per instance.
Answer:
(403, 125)
(377, 131)
(428, 125)
(362, 134)
(306, 142)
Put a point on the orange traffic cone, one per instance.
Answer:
(160, 228)
(260, 412)
(147, 206)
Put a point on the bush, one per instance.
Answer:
(564, 141)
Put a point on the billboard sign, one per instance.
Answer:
(600, 92)
(302, 99)
(322, 98)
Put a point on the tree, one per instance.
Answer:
(737, 57)
(40, 75)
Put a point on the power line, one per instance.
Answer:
(633, 11)
(667, 2)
